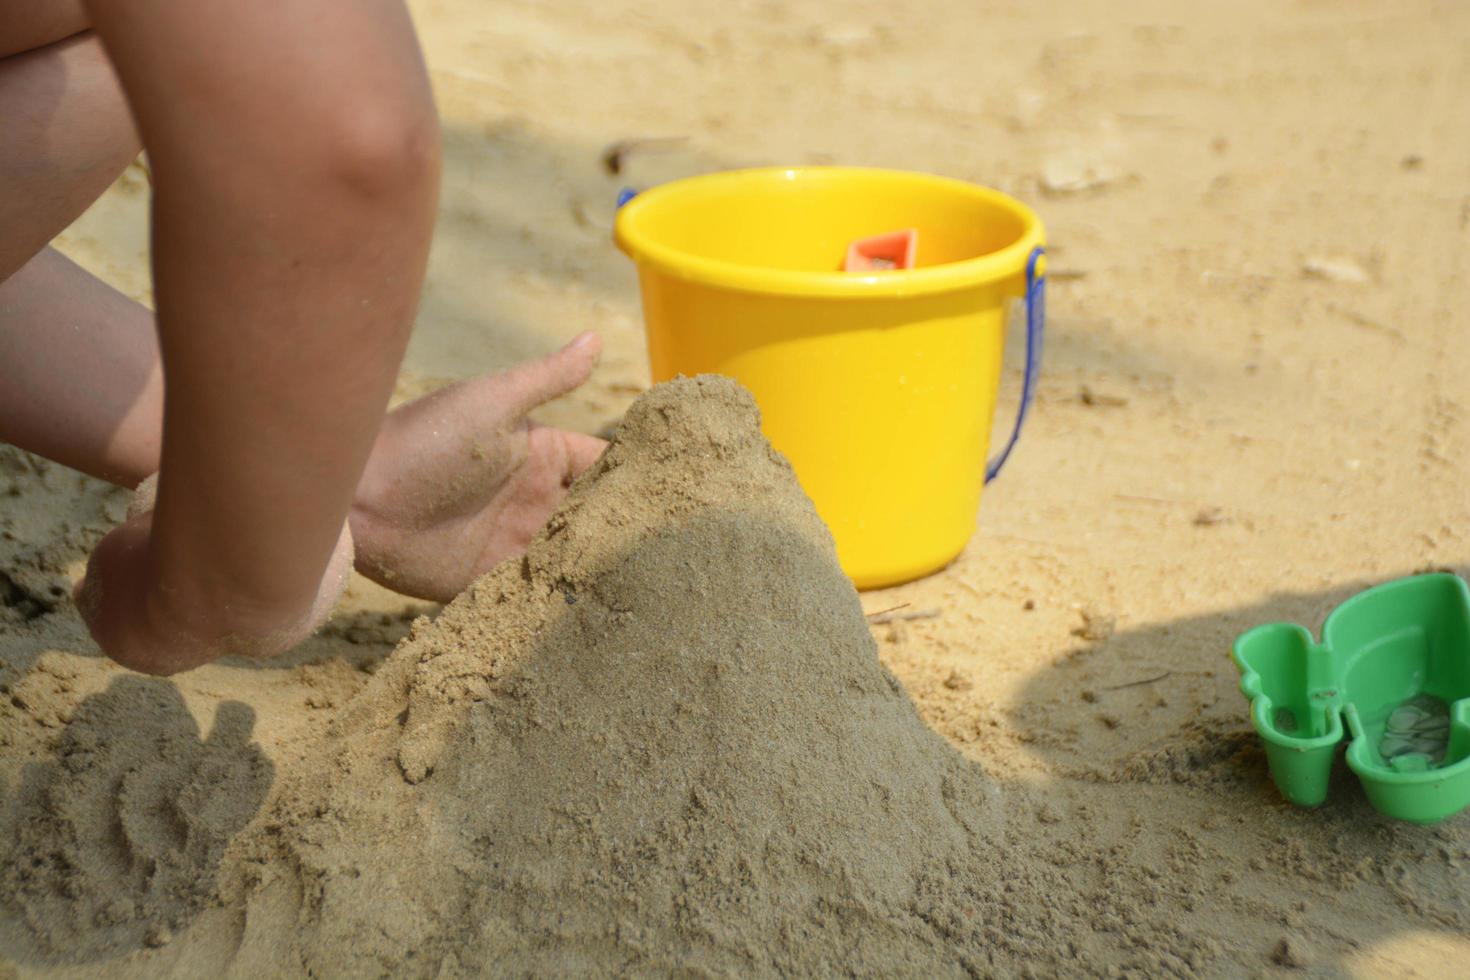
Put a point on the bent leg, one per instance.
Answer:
(80, 380)
(295, 159)
(79, 376)
(68, 135)
(29, 24)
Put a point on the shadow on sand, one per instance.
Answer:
(115, 842)
(1155, 715)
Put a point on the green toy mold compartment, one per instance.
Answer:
(1393, 671)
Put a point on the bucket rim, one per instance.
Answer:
(879, 284)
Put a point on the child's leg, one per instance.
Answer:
(67, 135)
(79, 375)
(296, 164)
(29, 24)
(80, 380)
(294, 149)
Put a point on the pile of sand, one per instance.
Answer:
(662, 739)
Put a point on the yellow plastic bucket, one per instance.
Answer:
(878, 386)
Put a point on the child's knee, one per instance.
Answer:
(383, 149)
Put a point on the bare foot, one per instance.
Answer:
(138, 626)
(459, 480)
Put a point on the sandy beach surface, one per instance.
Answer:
(1254, 404)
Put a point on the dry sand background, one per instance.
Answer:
(1254, 404)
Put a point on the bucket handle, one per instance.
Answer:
(1035, 324)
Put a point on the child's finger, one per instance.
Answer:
(582, 452)
(528, 386)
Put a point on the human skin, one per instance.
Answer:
(294, 150)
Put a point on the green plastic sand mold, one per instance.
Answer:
(1394, 662)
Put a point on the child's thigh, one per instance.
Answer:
(29, 24)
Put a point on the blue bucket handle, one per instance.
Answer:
(1035, 325)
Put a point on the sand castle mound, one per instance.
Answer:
(662, 739)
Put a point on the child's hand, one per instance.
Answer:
(459, 480)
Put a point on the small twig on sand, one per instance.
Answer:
(1091, 398)
(884, 612)
(1209, 517)
(1146, 680)
(1354, 317)
(889, 616)
(1138, 498)
(616, 154)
